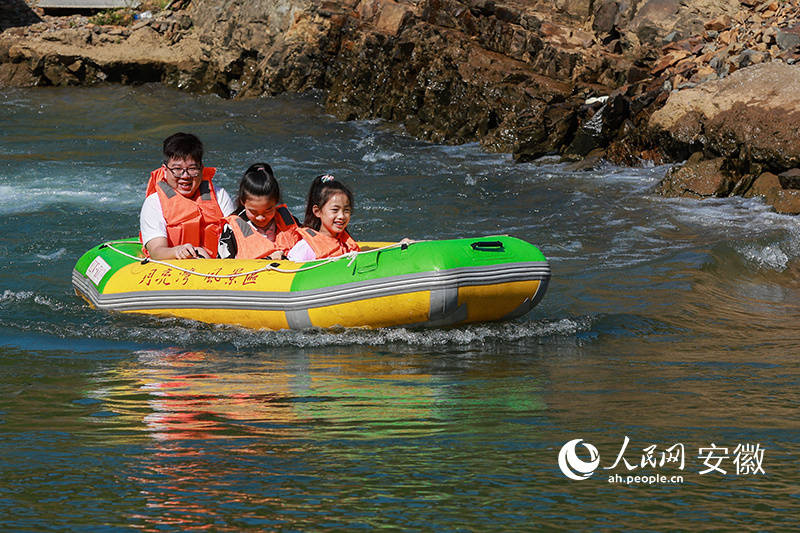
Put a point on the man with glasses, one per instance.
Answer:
(183, 212)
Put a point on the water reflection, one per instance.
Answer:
(266, 440)
(196, 395)
(190, 402)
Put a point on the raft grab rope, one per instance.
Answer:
(271, 266)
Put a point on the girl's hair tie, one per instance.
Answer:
(326, 178)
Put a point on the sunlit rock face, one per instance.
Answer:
(585, 80)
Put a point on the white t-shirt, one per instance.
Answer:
(301, 251)
(152, 223)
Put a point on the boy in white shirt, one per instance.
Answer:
(183, 213)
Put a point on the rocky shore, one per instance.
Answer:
(705, 82)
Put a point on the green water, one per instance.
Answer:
(669, 322)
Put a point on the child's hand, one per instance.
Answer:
(188, 251)
(276, 255)
(406, 240)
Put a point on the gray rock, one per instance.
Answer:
(788, 38)
(790, 179)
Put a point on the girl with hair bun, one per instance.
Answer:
(324, 232)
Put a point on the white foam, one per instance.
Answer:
(15, 296)
(186, 333)
(761, 236)
(367, 141)
(732, 212)
(770, 256)
(53, 255)
(24, 198)
(467, 335)
(20, 297)
(374, 157)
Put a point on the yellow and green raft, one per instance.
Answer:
(422, 284)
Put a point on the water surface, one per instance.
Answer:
(666, 321)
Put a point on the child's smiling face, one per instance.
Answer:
(334, 215)
(183, 175)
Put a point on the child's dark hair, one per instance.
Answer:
(258, 180)
(182, 145)
(322, 188)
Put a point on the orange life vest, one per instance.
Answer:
(251, 244)
(326, 246)
(195, 221)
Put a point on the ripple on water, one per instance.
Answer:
(666, 320)
(77, 321)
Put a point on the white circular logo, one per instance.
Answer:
(574, 467)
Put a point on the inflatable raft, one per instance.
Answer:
(427, 283)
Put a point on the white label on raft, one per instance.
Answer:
(97, 269)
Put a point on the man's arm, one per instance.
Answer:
(159, 248)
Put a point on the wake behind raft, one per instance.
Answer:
(421, 284)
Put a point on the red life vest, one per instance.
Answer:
(251, 244)
(195, 221)
(326, 246)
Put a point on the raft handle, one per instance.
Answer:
(488, 246)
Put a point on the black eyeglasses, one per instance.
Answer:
(192, 172)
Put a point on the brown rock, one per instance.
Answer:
(678, 81)
(767, 186)
(685, 66)
(741, 17)
(725, 38)
(605, 17)
(683, 44)
(591, 161)
(790, 179)
(141, 24)
(697, 178)
(649, 24)
(703, 74)
(751, 57)
(668, 60)
(723, 22)
(767, 6)
(768, 35)
(16, 75)
(706, 57)
(392, 17)
(755, 107)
